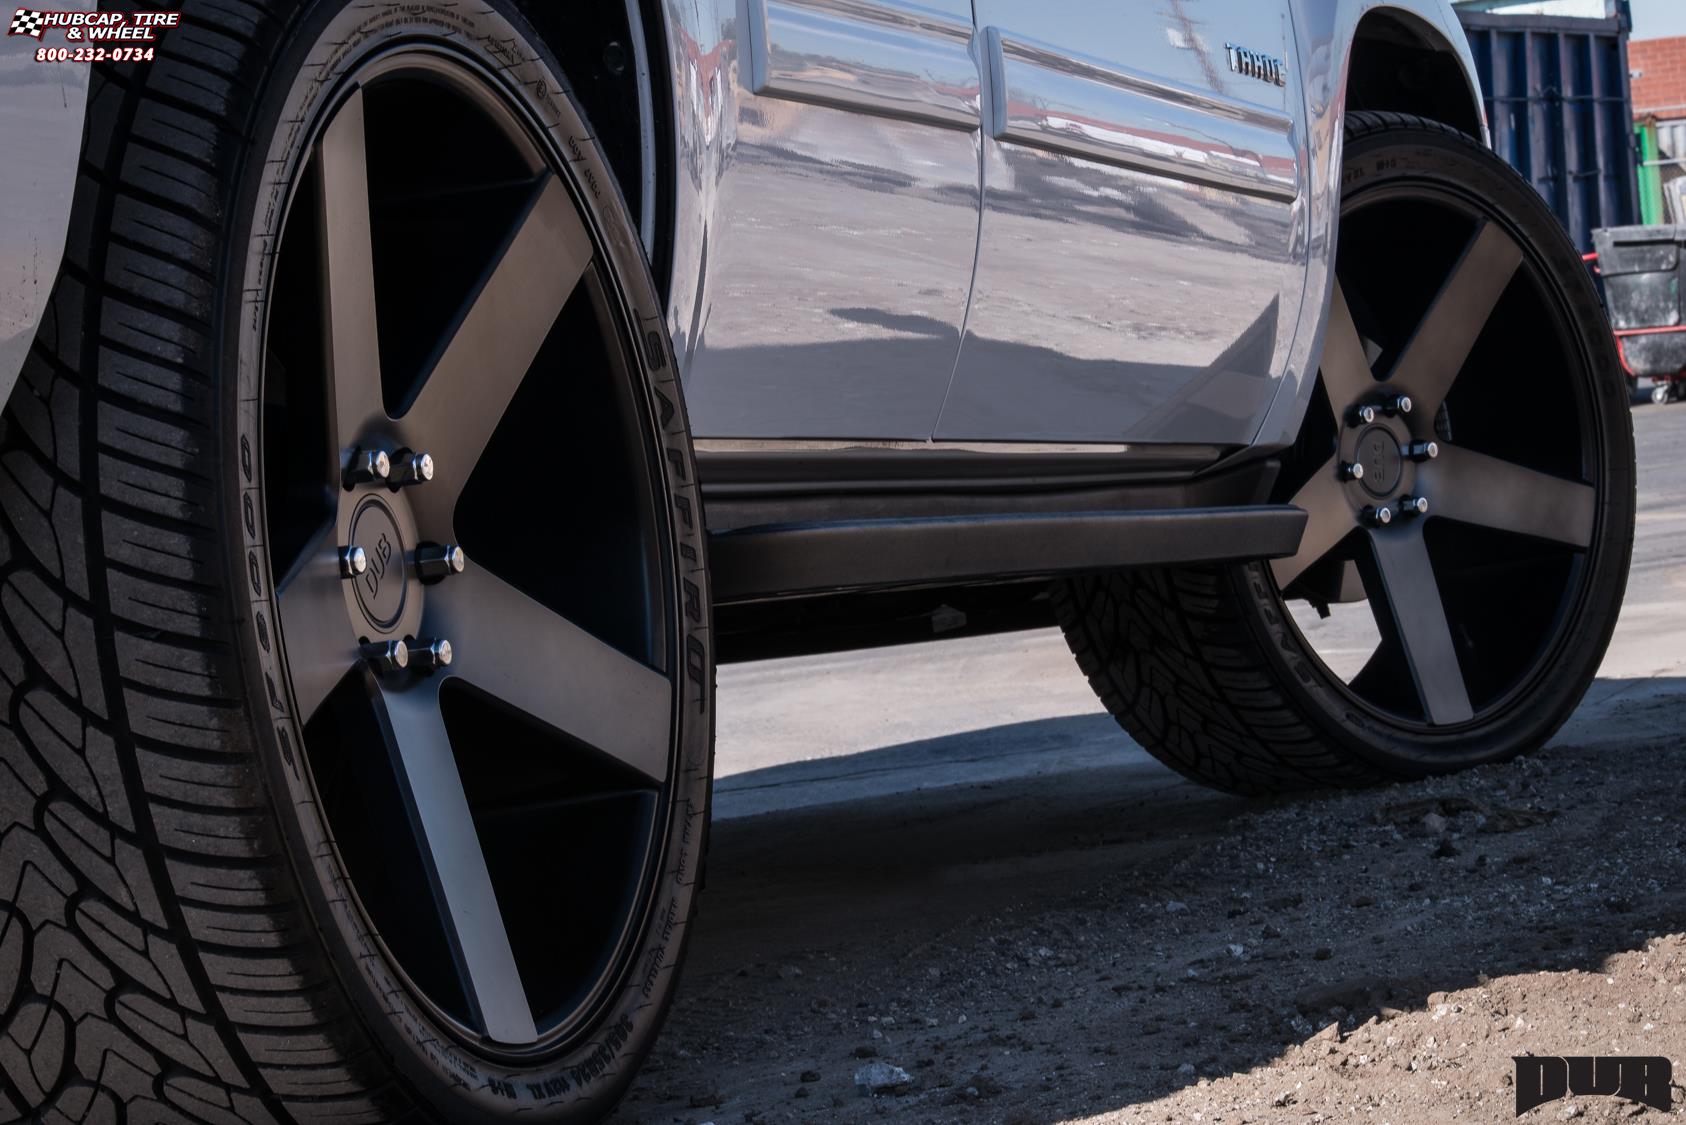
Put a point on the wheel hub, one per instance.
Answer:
(382, 588)
(1377, 449)
(1377, 462)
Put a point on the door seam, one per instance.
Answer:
(986, 111)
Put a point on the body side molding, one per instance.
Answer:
(869, 56)
(1135, 122)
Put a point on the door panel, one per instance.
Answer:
(838, 253)
(1141, 250)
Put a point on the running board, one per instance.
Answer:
(792, 560)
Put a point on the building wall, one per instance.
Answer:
(1659, 83)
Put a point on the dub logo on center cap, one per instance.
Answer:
(1378, 452)
(381, 587)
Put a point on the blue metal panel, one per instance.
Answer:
(1560, 106)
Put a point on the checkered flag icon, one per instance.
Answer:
(26, 21)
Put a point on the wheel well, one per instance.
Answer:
(599, 47)
(1402, 65)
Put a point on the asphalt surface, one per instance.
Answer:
(890, 823)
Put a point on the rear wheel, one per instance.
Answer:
(372, 630)
(1467, 469)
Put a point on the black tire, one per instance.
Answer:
(1206, 666)
(185, 932)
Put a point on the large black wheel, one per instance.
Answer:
(1467, 468)
(354, 622)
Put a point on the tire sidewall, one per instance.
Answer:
(331, 42)
(1451, 162)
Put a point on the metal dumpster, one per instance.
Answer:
(1560, 104)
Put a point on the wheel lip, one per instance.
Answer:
(1572, 606)
(496, 97)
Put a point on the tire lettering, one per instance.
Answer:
(549, 1088)
(666, 410)
(653, 350)
(600, 1059)
(696, 669)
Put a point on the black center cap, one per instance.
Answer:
(380, 588)
(1378, 452)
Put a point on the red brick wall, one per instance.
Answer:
(1660, 89)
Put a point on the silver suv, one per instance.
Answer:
(411, 399)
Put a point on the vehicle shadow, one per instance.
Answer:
(1098, 935)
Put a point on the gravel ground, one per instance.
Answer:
(1105, 942)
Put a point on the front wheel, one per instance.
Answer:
(355, 610)
(1467, 467)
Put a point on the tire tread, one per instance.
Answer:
(156, 962)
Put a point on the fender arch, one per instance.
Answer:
(1400, 63)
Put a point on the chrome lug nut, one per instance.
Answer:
(1397, 404)
(1378, 517)
(410, 467)
(435, 562)
(387, 657)
(1422, 450)
(353, 561)
(1413, 506)
(428, 654)
(1363, 415)
(367, 465)
(1352, 470)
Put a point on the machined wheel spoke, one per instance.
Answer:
(320, 649)
(349, 274)
(1329, 521)
(1412, 597)
(450, 846)
(1473, 488)
(1347, 376)
(515, 650)
(1443, 341)
(468, 390)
